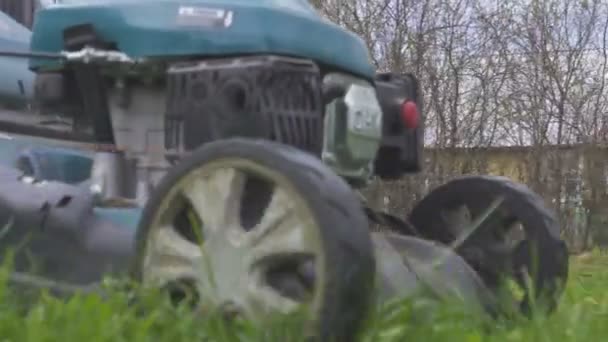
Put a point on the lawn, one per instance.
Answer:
(582, 316)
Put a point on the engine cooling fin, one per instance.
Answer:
(270, 97)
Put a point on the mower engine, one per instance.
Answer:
(159, 112)
(356, 127)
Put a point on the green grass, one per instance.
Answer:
(582, 316)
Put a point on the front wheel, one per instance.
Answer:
(257, 228)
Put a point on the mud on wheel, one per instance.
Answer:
(504, 231)
(256, 228)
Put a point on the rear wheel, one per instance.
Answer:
(255, 228)
(504, 231)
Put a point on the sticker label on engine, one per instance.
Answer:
(204, 17)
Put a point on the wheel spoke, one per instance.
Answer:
(477, 228)
(217, 198)
(171, 257)
(282, 231)
(457, 220)
(279, 209)
(265, 298)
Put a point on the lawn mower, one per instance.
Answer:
(219, 146)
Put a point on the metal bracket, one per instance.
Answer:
(86, 55)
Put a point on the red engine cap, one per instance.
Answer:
(409, 114)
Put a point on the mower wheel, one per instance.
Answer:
(258, 228)
(505, 232)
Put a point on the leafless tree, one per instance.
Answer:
(521, 72)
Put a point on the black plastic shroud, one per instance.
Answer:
(269, 97)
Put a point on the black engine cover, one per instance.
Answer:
(401, 148)
(270, 97)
